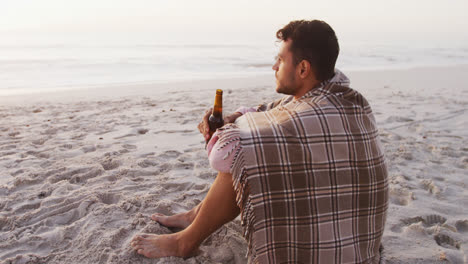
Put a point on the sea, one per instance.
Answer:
(26, 67)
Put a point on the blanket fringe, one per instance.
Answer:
(241, 187)
(228, 134)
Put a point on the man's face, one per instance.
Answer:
(285, 70)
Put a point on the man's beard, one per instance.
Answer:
(287, 89)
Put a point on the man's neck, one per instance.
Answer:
(307, 87)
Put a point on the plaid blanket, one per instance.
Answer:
(311, 179)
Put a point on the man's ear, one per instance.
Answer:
(304, 68)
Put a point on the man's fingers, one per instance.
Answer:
(203, 126)
(232, 117)
(207, 115)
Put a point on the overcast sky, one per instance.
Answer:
(249, 20)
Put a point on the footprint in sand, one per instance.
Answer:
(50, 131)
(430, 186)
(446, 241)
(87, 149)
(462, 225)
(129, 146)
(109, 198)
(401, 180)
(144, 155)
(175, 187)
(392, 119)
(169, 155)
(400, 196)
(67, 146)
(420, 223)
(207, 175)
(76, 175)
(463, 162)
(165, 167)
(20, 171)
(185, 166)
(13, 134)
(428, 220)
(39, 141)
(110, 164)
(147, 163)
(82, 178)
(414, 229)
(78, 136)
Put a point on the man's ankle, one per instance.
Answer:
(192, 214)
(185, 246)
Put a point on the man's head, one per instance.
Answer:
(307, 56)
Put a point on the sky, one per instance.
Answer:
(240, 21)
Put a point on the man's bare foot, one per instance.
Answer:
(181, 220)
(158, 246)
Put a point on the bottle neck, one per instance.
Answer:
(218, 105)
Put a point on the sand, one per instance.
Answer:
(83, 171)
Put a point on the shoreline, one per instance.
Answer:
(101, 92)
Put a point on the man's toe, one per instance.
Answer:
(136, 246)
(156, 216)
(161, 219)
(139, 238)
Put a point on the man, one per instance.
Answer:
(307, 172)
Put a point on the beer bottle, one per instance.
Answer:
(216, 118)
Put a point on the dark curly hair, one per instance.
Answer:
(314, 41)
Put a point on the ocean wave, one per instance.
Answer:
(35, 66)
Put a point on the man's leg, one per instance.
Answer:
(181, 220)
(218, 208)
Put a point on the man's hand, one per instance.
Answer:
(204, 127)
(232, 117)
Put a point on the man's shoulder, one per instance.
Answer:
(348, 96)
(334, 96)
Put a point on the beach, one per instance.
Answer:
(83, 170)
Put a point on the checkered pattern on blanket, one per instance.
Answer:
(311, 179)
